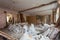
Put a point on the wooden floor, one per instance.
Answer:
(6, 34)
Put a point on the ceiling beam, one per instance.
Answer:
(38, 6)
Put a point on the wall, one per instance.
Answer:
(3, 16)
(31, 19)
(13, 16)
(37, 19)
(2, 19)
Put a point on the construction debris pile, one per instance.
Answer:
(25, 31)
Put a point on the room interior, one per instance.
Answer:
(27, 11)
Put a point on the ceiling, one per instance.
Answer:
(18, 5)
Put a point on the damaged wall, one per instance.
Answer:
(2, 19)
(3, 16)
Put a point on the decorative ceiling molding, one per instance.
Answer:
(38, 6)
